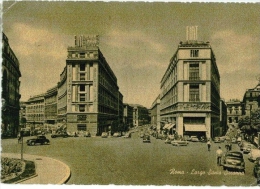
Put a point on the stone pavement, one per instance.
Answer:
(48, 170)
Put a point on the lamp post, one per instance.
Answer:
(21, 134)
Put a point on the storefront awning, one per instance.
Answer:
(198, 128)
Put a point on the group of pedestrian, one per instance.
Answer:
(219, 152)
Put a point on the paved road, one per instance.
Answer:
(129, 161)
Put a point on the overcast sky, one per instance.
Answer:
(137, 39)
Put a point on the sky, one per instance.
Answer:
(137, 39)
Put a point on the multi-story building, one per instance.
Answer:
(88, 94)
(155, 113)
(10, 90)
(190, 90)
(251, 100)
(51, 105)
(140, 115)
(22, 115)
(128, 115)
(234, 112)
(223, 117)
(35, 110)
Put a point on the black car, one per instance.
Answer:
(234, 160)
(38, 140)
(146, 138)
(256, 170)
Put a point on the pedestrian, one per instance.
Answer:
(219, 154)
(209, 145)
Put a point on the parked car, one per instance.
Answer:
(186, 137)
(194, 139)
(127, 135)
(179, 143)
(254, 154)
(55, 135)
(222, 138)
(169, 139)
(256, 170)
(146, 139)
(117, 134)
(217, 140)
(38, 140)
(104, 135)
(234, 160)
(246, 147)
(87, 134)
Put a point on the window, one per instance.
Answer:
(82, 127)
(194, 93)
(82, 55)
(81, 87)
(82, 77)
(82, 97)
(82, 67)
(82, 108)
(194, 71)
(194, 53)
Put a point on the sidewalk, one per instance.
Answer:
(48, 170)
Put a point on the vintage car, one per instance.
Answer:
(253, 155)
(194, 139)
(55, 135)
(38, 140)
(179, 143)
(146, 139)
(256, 170)
(217, 140)
(104, 135)
(233, 160)
(87, 134)
(127, 135)
(117, 134)
(246, 147)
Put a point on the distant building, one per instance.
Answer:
(88, 94)
(223, 117)
(140, 115)
(10, 90)
(234, 112)
(190, 90)
(128, 115)
(35, 112)
(51, 100)
(155, 113)
(251, 100)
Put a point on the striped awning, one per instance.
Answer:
(195, 127)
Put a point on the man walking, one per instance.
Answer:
(219, 154)
(208, 144)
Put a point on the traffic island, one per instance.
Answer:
(16, 170)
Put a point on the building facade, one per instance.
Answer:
(251, 100)
(234, 112)
(140, 115)
(10, 90)
(88, 94)
(155, 113)
(51, 99)
(128, 115)
(223, 117)
(35, 112)
(190, 91)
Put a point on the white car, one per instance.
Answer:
(179, 143)
(254, 153)
(194, 139)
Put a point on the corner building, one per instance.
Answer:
(88, 94)
(190, 93)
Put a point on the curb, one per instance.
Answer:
(35, 158)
